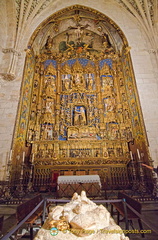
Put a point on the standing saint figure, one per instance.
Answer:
(80, 116)
(49, 43)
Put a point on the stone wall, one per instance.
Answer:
(144, 63)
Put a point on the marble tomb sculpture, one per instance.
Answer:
(80, 219)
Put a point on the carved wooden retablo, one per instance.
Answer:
(79, 108)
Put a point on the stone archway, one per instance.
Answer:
(78, 67)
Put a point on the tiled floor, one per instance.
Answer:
(149, 215)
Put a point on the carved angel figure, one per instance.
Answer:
(49, 43)
(105, 40)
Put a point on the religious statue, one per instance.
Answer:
(79, 116)
(83, 116)
(108, 48)
(103, 83)
(67, 84)
(49, 91)
(49, 43)
(49, 132)
(90, 82)
(78, 80)
(30, 135)
(62, 129)
(105, 40)
(50, 106)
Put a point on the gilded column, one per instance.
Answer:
(98, 90)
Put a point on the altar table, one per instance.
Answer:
(68, 185)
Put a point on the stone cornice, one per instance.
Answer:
(7, 76)
(11, 50)
(153, 50)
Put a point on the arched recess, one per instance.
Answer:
(79, 109)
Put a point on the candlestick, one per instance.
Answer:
(31, 172)
(138, 153)
(7, 159)
(32, 158)
(131, 155)
(10, 156)
(149, 149)
(23, 157)
(22, 171)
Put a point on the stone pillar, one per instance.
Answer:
(11, 59)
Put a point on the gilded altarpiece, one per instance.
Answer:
(79, 110)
